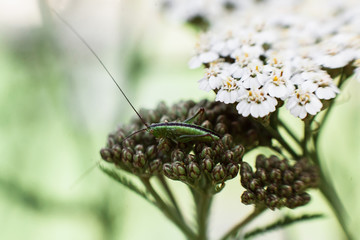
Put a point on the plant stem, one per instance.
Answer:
(202, 209)
(167, 211)
(281, 140)
(171, 196)
(257, 211)
(291, 134)
(327, 189)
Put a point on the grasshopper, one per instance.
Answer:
(178, 132)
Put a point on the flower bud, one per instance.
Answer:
(106, 154)
(272, 201)
(151, 152)
(239, 151)
(164, 145)
(272, 189)
(261, 175)
(288, 177)
(194, 171)
(260, 161)
(254, 184)
(232, 169)
(260, 194)
(286, 191)
(283, 165)
(189, 158)
(218, 173)
(275, 175)
(127, 156)
(110, 142)
(206, 124)
(299, 186)
(248, 198)
(155, 166)
(179, 170)
(139, 160)
(207, 165)
(177, 155)
(228, 156)
(206, 152)
(305, 177)
(168, 172)
(221, 128)
(227, 140)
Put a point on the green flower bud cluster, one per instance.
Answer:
(190, 162)
(276, 183)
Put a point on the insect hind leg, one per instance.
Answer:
(200, 137)
(191, 119)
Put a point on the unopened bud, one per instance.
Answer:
(288, 177)
(299, 186)
(206, 124)
(248, 198)
(106, 154)
(177, 155)
(168, 172)
(164, 145)
(275, 175)
(218, 173)
(261, 175)
(221, 128)
(139, 160)
(155, 166)
(206, 152)
(232, 170)
(207, 165)
(254, 184)
(151, 152)
(286, 191)
(194, 171)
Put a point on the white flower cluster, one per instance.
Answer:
(284, 57)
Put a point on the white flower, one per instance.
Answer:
(302, 102)
(226, 45)
(229, 91)
(204, 52)
(253, 75)
(321, 83)
(256, 103)
(333, 54)
(279, 85)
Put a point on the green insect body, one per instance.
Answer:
(176, 131)
(182, 132)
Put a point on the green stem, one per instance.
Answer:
(202, 209)
(171, 196)
(170, 213)
(281, 140)
(327, 189)
(257, 211)
(291, 134)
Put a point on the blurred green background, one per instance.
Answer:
(57, 106)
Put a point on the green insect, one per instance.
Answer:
(176, 131)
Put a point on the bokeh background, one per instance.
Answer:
(57, 106)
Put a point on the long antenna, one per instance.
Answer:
(98, 58)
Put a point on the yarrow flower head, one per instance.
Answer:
(262, 61)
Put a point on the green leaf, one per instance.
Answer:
(117, 176)
(286, 221)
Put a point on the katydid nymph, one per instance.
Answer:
(179, 132)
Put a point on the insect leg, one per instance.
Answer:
(192, 119)
(188, 138)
